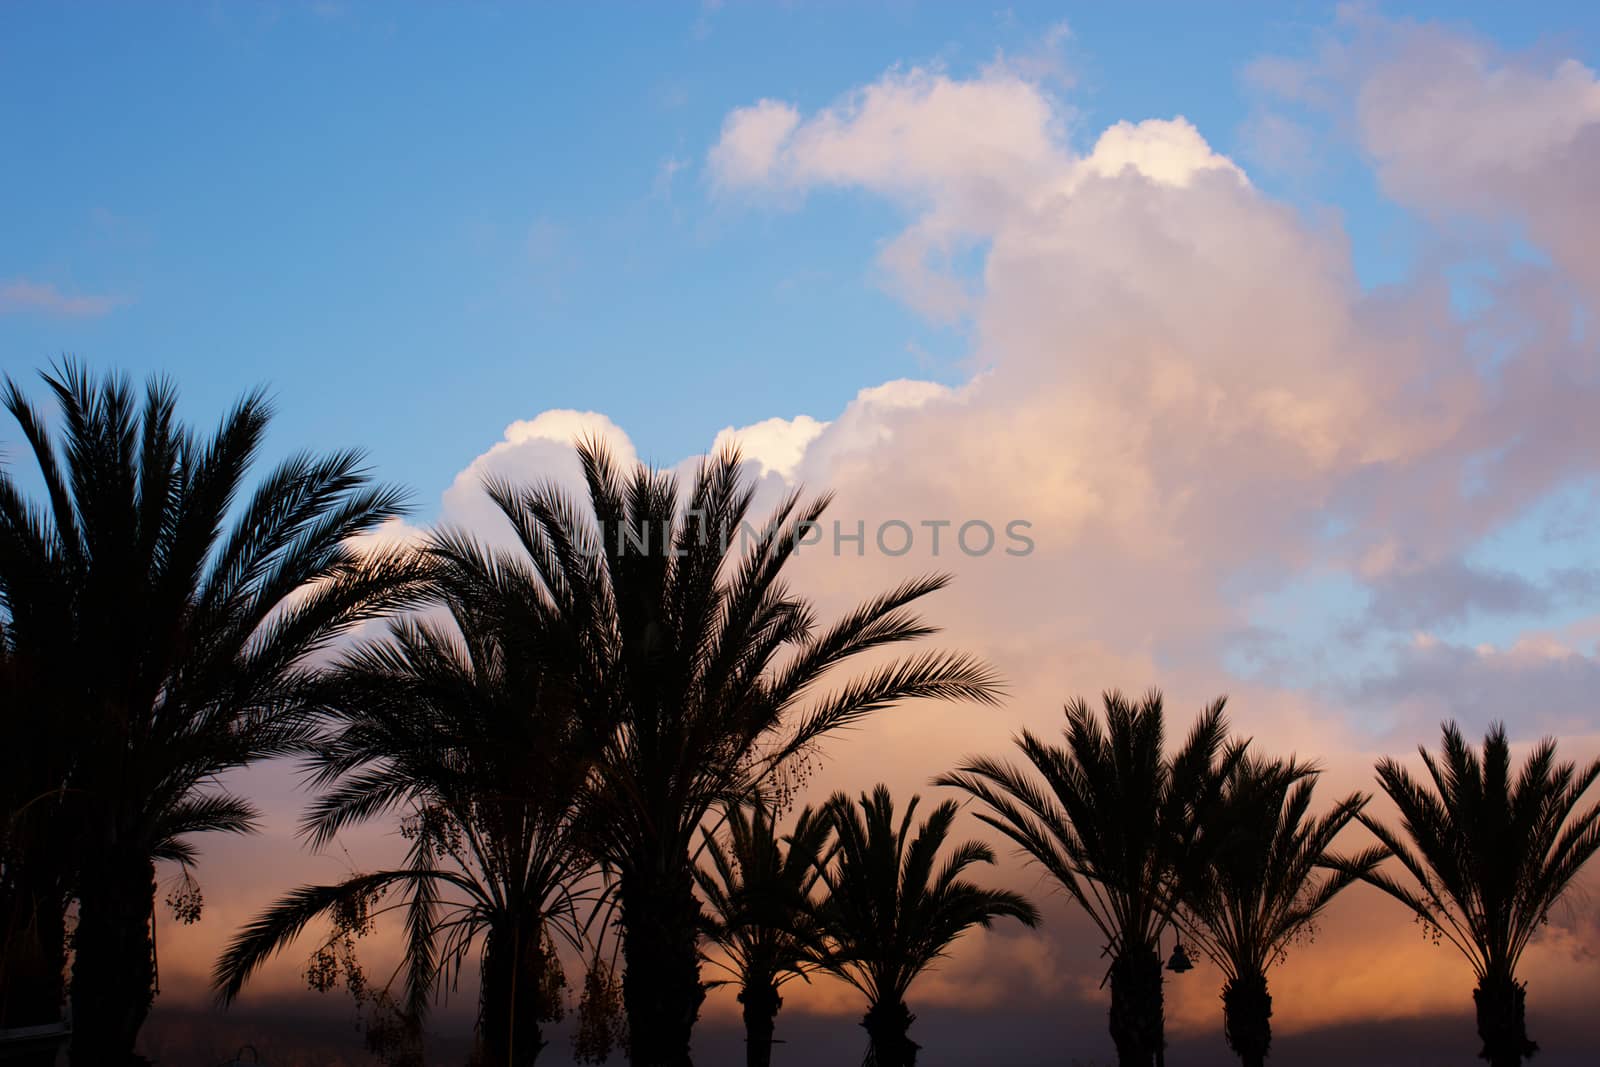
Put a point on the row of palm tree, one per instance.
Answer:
(588, 740)
(151, 647)
(646, 695)
(1213, 841)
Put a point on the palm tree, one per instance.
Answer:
(759, 891)
(890, 914)
(1271, 873)
(170, 649)
(460, 720)
(713, 671)
(1488, 857)
(1115, 822)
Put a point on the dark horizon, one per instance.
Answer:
(1075, 1038)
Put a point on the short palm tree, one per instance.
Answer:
(1488, 855)
(171, 643)
(458, 720)
(1270, 875)
(713, 671)
(891, 912)
(760, 896)
(1116, 822)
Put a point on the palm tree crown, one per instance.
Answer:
(893, 908)
(1488, 855)
(760, 898)
(1269, 876)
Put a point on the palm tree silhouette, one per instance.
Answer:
(890, 914)
(1262, 888)
(1488, 855)
(686, 636)
(759, 892)
(172, 648)
(1115, 822)
(460, 720)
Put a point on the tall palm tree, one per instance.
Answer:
(459, 720)
(172, 647)
(890, 914)
(760, 894)
(1269, 877)
(713, 671)
(1488, 856)
(1117, 823)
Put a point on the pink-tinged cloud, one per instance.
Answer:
(1458, 128)
(21, 296)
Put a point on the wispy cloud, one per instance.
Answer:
(702, 23)
(22, 296)
(666, 174)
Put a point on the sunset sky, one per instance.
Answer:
(1275, 324)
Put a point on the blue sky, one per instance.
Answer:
(418, 223)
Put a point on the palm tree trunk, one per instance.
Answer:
(761, 1003)
(1247, 1017)
(509, 1004)
(661, 987)
(113, 968)
(1137, 1023)
(888, 1042)
(1502, 1019)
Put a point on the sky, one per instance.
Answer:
(1273, 325)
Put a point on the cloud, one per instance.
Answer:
(917, 133)
(751, 139)
(1457, 126)
(1044, 61)
(1114, 292)
(1542, 683)
(21, 296)
(776, 446)
(702, 22)
(963, 154)
(666, 172)
(1280, 144)
(530, 450)
(1166, 152)
(1452, 591)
